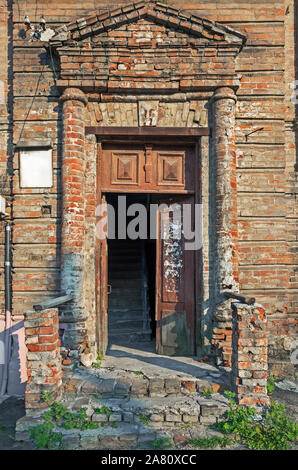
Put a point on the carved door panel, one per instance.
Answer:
(148, 168)
(175, 282)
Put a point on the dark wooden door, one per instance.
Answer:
(103, 284)
(175, 282)
(148, 168)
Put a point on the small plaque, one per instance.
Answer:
(36, 170)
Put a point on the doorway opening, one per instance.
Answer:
(150, 273)
(131, 280)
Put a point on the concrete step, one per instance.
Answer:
(130, 256)
(132, 291)
(122, 264)
(122, 302)
(124, 274)
(136, 322)
(132, 409)
(115, 315)
(126, 283)
(129, 335)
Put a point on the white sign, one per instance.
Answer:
(36, 168)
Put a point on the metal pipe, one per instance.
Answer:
(52, 302)
(7, 267)
(241, 298)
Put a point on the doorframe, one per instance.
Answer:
(149, 135)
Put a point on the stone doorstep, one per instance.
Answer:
(141, 407)
(117, 383)
(131, 422)
(167, 417)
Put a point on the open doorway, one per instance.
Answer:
(131, 281)
(150, 277)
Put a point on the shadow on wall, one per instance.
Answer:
(13, 375)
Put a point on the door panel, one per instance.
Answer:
(175, 283)
(148, 168)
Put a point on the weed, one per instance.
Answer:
(144, 419)
(186, 425)
(58, 415)
(207, 392)
(47, 397)
(99, 358)
(45, 437)
(161, 444)
(138, 372)
(271, 385)
(211, 442)
(274, 431)
(103, 410)
(96, 365)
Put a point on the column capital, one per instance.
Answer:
(223, 92)
(73, 94)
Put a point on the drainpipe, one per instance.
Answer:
(7, 334)
(7, 267)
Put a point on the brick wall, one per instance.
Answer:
(250, 357)
(265, 143)
(43, 359)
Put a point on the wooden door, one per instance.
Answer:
(148, 168)
(103, 284)
(175, 283)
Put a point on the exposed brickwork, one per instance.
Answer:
(43, 358)
(146, 54)
(249, 359)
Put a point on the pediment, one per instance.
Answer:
(146, 45)
(98, 25)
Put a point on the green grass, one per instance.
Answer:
(59, 416)
(207, 392)
(103, 410)
(211, 442)
(274, 431)
(161, 444)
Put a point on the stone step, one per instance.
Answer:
(124, 305)
(125, 323)
(127, 316)
(122, 264)
(129, 255)
(126, 283)
(111, 435)
(132, 423)
(123, 294)
(158, 411)
(125, 274)
(129, 336)
(131, 290)
(109, 383)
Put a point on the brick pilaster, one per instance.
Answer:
(73, 211)
(249, 359)
(43, 358)
(225, 199)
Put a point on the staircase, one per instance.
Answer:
(128, 315)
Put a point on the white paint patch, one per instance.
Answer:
(36, 168)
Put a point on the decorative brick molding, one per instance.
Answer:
(43, 358)
(100, 22)
(249, 358)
